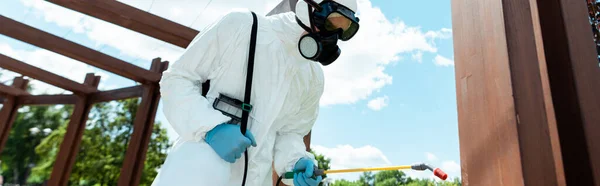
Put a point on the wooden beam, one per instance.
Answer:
(28, 34)
(117, 94)
(572, 62)
(72, 139)
(133, 19)
(42, 75)
(504, 125)
(9, 90)
(142, 130)
(8, 113)
(48, 99)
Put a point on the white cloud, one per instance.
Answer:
(378, 103)
(451, 167)
(359, 71)
(431, 157)
(443, 61)
(346, 157)
(418, 56)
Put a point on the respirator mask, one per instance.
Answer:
(329, 22)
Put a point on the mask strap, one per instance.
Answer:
(314, 4)
(310, 16)
(303, 25)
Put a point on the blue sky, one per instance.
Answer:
(406, 113)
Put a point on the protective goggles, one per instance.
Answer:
(330, 10)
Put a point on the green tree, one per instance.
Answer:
(103, 147)
(323, 162)
(366, 178)
(30, 127)
(346, 183)
(390, 178)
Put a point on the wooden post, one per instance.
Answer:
(505, 125)
(8, 113)
(142, 130)
(72, 139)
(575, 83)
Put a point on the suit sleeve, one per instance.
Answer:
(187, 111)
(289, 143)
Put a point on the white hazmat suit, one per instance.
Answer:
(286, 91)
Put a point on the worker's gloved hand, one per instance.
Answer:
(303, 173)
(228, 142)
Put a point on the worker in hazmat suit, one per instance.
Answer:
(287, 85)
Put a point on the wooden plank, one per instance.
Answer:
(552, 128)
(42, 75)
(142, 130)
(117, 94)
(72, 139)
(8, 90)
(28, 34)
(575, 83)
(145, 142)
(47, 99)
(503, 124)
(9, 112)
(133, 19)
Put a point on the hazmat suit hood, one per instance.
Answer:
(287, 30)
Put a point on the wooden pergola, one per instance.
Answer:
(528, 92)
(527, 81)
(86, 94)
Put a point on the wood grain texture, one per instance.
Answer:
(503, 125)
(25, 69)
(9, 90)
(69, 147)
(574, 79)
(28, 34)
(117, 94)
(133, 19)
(142, 130)
(48, 99)
(8, 112)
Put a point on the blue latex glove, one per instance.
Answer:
(228, 142)
(304, 178)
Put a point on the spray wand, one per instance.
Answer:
(418, 167)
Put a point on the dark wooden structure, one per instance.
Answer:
(528, 90)
(527, 78)
(84, 95)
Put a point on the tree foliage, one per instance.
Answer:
(384, 178)
(19, 156)
(101, 152)
(394, 178)
(594, 19)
